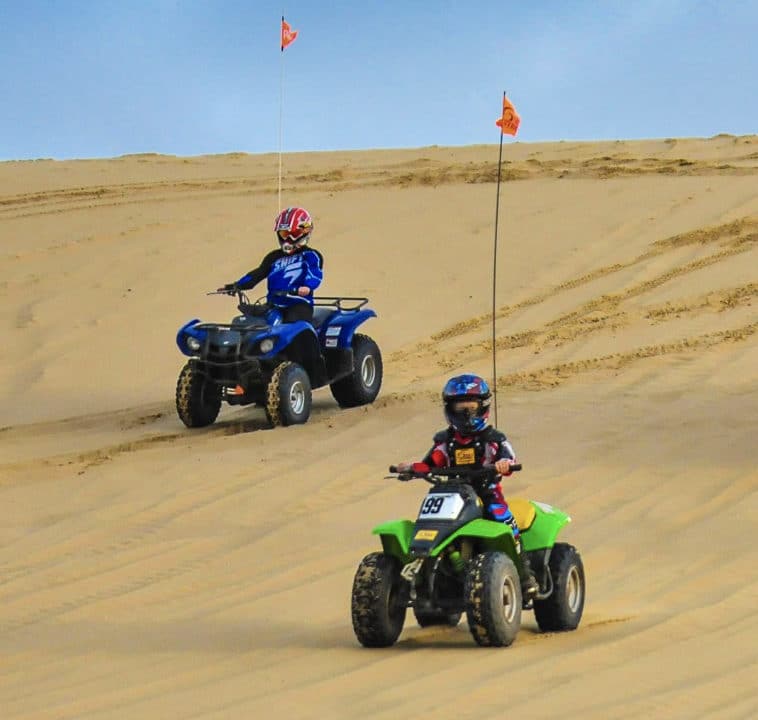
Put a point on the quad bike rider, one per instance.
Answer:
(277, 351)
(294, 270)
(469, 441)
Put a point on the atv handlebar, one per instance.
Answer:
(486, 471)
(241, 292)
(343, 304)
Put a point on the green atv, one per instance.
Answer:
(453, 560)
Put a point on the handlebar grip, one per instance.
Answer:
(393, 468)
(516, 467)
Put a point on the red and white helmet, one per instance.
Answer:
(293, 227)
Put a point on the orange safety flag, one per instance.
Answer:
(509, 121)
(288, 34)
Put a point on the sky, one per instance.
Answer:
(103, 78)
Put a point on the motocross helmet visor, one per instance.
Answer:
(467, 416)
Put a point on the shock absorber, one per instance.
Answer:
(456, 560)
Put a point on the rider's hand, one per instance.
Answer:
(229, 289)
(303, 291)
(503, 467)
(410, 470)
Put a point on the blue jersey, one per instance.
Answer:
(287, 273)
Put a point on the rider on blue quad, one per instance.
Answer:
(294, 270)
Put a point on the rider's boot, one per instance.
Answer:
(529, 585)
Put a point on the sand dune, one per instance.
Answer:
(148, 570)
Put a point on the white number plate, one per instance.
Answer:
(441, 506)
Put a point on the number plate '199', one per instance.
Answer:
(441, 506)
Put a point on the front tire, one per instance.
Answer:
(492, 596)
(362, 385)
(198, 401)
(288, 395)
(563, 609)
(379, 600)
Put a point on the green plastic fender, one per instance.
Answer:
(547, 523)
(396, 535)
(396, 538)
(492, 537)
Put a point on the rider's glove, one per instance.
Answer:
(407, 471)
(229, 289)
(503, 467)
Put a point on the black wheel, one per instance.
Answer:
(492, 595)
(362, 386)
(288, 395)
(562, 610)
(379, 600)
(428, 618)
(197, 401)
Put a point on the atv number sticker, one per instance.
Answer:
(441, 506)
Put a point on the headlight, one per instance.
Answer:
(267, 345)
(193, 343)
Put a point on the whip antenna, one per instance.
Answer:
(287, 36)
(508, 123)
(494, 277)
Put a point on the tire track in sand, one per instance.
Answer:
(738, 236)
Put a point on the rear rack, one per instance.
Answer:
(337, 302)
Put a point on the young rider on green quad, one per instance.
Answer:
(470, 440)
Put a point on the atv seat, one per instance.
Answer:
(321, 315)
(523, 511)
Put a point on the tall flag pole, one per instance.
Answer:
(287, 37)
(508, 122)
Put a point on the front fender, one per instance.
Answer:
(188, 329)
(396, 538)
(489, 535)
(341, 328)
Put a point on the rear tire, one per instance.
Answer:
(288, 395)
(198, 401)
(492, 596)
(379, 600)
(563, 609)
(362, 385)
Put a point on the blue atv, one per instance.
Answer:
(258, 359)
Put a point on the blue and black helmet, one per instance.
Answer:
(467, 389)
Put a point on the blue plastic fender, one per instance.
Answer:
(184, 331)
(339, 330)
